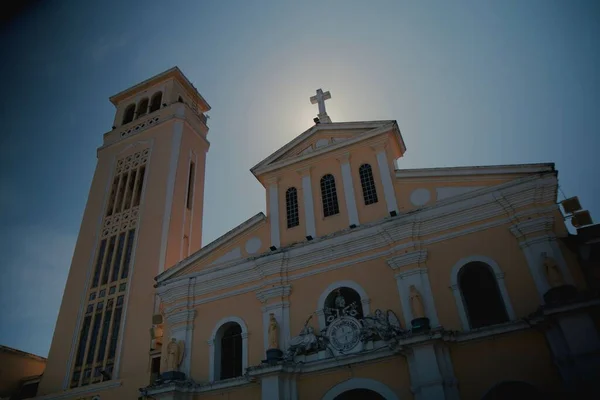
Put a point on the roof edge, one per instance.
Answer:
(476, 170)
(114, 99)
(215, 244)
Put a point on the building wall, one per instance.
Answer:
(16, 365)
(392, 372)
(520, 356)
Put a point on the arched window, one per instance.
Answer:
(481, 296)
(291, 206)
(231, 351)
(342, 301)
(329, 196)
(229, 354)
(142, 107)
(155, 102)
(128, 114)
(368, 184)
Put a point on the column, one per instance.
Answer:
(181, 327)
(309, 209)
(274, 211)
(431, 373)
(386, 179)
(349, 189)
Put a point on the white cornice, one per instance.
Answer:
(413, 257)
(82, 390)
(475, 171)
(227, 237)
(312, 130)
(273, 292)
(443, 221)
(523, 229)
(271, 165)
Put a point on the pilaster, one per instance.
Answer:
(274, 210)
(344, 160)
(275, 301)
(537, 240)
(411, 271)
(309, 208)
(386, 177)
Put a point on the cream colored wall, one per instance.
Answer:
(496, 243)
(191, 144)
(145, 263)
(260, 231)
(244, 306)
(520, 356)
(392, 372)
(249, 392)
(16, 366)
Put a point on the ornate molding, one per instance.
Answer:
(180, 320)
(279, 292)
(413, 257)
(411, 272)
(523, 229)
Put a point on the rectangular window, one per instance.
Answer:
(113, 195)
(104, 335)
(117, 263)
(99, 263)
(109, 256)
(129, 194)
(93, 338)
(140, 184)
(115, 331)
(82, 342)
(128, 250)
(120, 193)
(190, 188)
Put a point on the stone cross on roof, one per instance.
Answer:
(320, 99)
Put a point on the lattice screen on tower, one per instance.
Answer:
(96, 348)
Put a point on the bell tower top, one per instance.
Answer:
(162, 90)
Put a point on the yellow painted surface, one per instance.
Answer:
(520, 356)
(16, 365)
(391, 372)
(247, 392)
(244, 306)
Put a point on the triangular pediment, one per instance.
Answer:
(323, 137)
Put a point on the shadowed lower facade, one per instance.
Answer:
(363, 280)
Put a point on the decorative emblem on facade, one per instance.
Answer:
(344, 333)
(378, 326)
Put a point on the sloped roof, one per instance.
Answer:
(364, 130)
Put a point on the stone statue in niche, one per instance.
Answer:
(273, 332)
(156, 335)
(419, 322)
(273, 351)
(175, 352)
(553, 274)
(559, 292)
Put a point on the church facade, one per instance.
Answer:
(364, 280)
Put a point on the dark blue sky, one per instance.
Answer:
(470, 83)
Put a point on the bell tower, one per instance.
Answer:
(143, 215)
